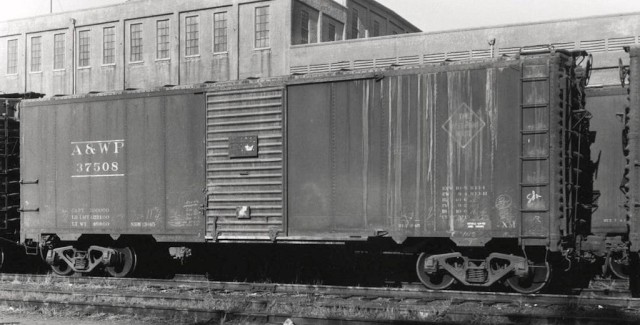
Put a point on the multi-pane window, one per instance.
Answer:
(12, 56)
(262, 27)
(304, 27)
(109, 45)
(332, 33)
(135, 53)
(354, 23)
(36, 54)
(58, 51)
(192, 36)
(220, 32)
(83, 48)
(162, 39)
(376, 28)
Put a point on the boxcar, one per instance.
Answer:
(482, 167)
(632, 166)
(609, 218)
(10, 249)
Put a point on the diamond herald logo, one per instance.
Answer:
(463, 125)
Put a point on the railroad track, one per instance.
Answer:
(189, 300)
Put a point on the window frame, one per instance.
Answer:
(59, 52)
(265, 41)
(159, 40)
(355, 25)
(136, 56)
(87, 46)
(113, 42)
(12, 57)
(190, 33)
(35, 66)
(216, 36)
(304, 17)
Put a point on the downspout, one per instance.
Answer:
(179, 45)
(26, 72)
(73, 56)
(124, 55)
(238, 41)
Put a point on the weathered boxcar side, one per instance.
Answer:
(609, 218)
(469, 162)
(112, 165)
(483, 167)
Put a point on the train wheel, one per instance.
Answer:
(539, 276)
(618, 263)
(127, 265)
(439, 281)
(62, 269)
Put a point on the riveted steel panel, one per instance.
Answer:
(245, 164)
(128, 164)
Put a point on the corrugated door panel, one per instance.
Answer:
(245, 164)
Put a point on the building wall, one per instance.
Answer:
(604, 37)
(322, 13)
(150, 71)
(369, 13)
(97, 76)
(240, 60)
(9, 79)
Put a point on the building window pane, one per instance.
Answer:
(192, 36)
(262, 27)
(58, 51)
(109, 45)
(332, 33)
(135, 54)
(354, 23)
(220, 32)
(36, 54)
(83, 48)
(304, 27)
(376, 28)
(162, 39)
(12, 56)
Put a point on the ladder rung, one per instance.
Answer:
(534, 184)
(535, 158)
(535, 131)
(535, 79)
(538, 105)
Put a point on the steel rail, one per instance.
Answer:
(418, 298)
(407, 292)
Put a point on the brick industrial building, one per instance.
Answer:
(143, 43)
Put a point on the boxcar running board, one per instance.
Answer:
(476, 272)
